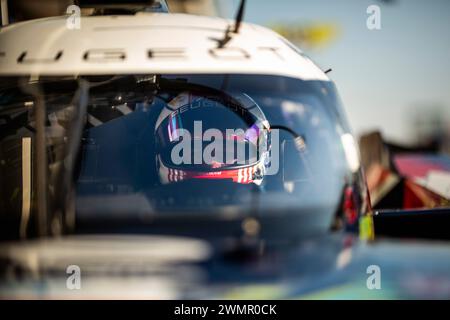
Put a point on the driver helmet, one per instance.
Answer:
(242, 139)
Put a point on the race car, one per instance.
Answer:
(205, 155)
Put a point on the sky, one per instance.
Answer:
(387, 77)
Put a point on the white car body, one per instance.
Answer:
(147, 43)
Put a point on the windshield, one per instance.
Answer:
(160, 145)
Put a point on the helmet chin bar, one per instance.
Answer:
(244, 175)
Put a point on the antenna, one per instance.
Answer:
(239, 16)
(237, 24)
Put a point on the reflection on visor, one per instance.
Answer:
(173, 126)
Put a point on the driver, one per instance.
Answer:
(243, 146)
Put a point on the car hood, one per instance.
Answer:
(162, 267)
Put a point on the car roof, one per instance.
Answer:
(148, 43)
